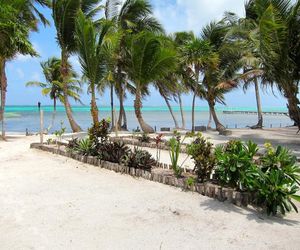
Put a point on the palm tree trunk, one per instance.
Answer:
(121, 99)
(209, 120)
(53, 114)
(65, 74)
(218, 124)
(94, 108)
(193, 112)
(293, 107)
(171, 111)
(137, 108)
(3, 94)
(181, 111)
(112, 106)
(259, 108)
(124, 126)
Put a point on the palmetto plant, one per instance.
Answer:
(148, 60)
(54, 86)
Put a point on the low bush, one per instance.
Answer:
(236, 165)
(144, 138)
(85, 147)
(139, 159)
(201, 151)
(98, 133)
(113, 151)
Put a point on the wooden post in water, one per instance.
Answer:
(41, 126)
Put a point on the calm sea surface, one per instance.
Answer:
(20, 118)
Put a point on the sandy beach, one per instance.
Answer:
(51, 202)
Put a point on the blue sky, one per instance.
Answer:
(175, 15)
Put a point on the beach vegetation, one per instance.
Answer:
(99, 132)
(113, 152)
(144, 138)
(139, 159)
(201, 151)
(85, 147)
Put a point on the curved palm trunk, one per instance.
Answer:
(259, 125)
(137, 108)
(75, 127)
(3, 86)
(53, 114)
(170, 109)
(193, 113)
(121, 113)
(219, 125)
(94, 108)
(294, 110)
(181, 111)
(112, 106)
(209, 120)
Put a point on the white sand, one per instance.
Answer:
(51, 202)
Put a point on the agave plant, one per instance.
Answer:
(85, 147)
(139, 159)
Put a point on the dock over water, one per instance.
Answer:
(254, 113)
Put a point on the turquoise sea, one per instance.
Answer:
(20, 118)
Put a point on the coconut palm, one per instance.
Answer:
(148, 60)
(221, 77)
(92, 52)
(198, 55)
(16, 22)
(278, 42)
(131, 17)
(53, 87)
(64, 14)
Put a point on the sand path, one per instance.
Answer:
(50, 202)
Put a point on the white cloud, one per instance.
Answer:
(26, 58)
(181, 15)
(20, 73)
(36, 77)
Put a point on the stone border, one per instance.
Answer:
(241, 199)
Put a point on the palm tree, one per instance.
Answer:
(54, 87)
(221, 77)
(148, 60)
(16, 22)
(92, 52)
(131, 17)
(64, 14)
(278, 42)
(197, 55)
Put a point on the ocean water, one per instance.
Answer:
(20, 118)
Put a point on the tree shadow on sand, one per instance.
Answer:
(249, 212)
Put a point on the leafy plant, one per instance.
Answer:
(72, 145)
(235, 164)
(174, 155)
(275, 191)
(158, 141)
(114, 152)
(144, 138)
(59, 133)
(139, 159)
(85, 147)
(190, 181)
(201, 152)
(98, 133)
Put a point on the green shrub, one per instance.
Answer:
(113, 152)
(175, 145)
(235, 164)
(139, 159)
(277, 181)
(85, 147)
(144, 138)
(98, 133)
(201, 151)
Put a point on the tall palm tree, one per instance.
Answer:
(92, 52)
(16, 22)
(148, 60)
(198, 55)
(53, 85)
(131, 17)
(278, 41)
(64, 14)
(221, 77)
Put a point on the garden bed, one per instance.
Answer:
(161, 175)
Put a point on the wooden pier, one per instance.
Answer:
(254, 113)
